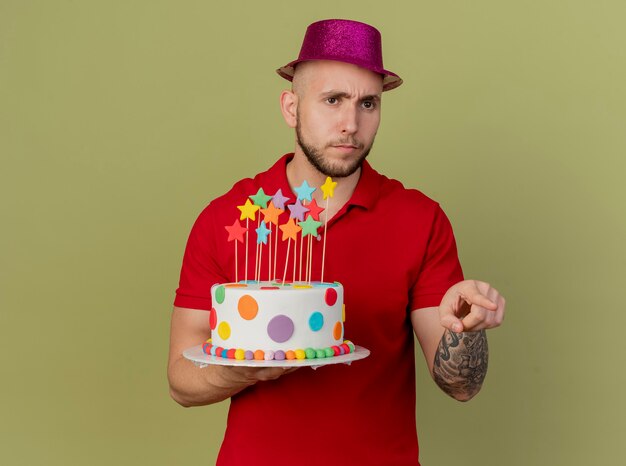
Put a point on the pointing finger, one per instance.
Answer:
(479, 299)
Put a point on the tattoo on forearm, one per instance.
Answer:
(461, 363)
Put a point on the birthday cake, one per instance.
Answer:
(276, 321)
(272, 318)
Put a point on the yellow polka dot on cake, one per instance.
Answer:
(223, 330)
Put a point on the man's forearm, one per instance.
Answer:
(194, 386)
(461, 363)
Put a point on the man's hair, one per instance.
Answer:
(301, 77)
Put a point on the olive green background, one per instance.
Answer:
(120, 120)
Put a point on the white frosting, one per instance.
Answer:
(296, 304)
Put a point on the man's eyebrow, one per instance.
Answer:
(345, 95)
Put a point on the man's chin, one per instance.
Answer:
(341, 169)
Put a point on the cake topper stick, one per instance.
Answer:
(328, 188)
(235, 234)
(270, 216)
(269, 257)
(310, 269)
(309, 228)
(295, 246)
(262, 233)
(290, 232)
(256, 255)
(304, 193)
(247, 212)
(273, 276)
(260, 200)
(314, 212)
(278, 201)
(300, 265)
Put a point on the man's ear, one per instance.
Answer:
(289, 107)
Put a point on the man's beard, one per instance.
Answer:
(315, 157)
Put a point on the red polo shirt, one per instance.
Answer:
(393, 250)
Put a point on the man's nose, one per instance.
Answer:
(349, 120)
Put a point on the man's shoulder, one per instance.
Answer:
(393, 190)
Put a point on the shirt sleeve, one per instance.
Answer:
(440, 268)
(200, 269)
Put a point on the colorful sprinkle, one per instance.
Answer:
(269, 355)
(290, 355)
(310, 353)
(230, 354)
(239, 354)
(259, 355)
(321, 354)
(335, 350)
(248, 355)
(329, 352)
(300, 354)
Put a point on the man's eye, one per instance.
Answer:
(332, 100)
(368, 104)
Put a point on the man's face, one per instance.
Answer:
(338, 114)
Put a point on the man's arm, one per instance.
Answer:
(194, 386)
(453, 338)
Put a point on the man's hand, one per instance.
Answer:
(231, 376)
(192, 386)
(470, 306)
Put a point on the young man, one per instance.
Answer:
(399, 279)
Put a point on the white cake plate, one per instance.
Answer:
(201, 359)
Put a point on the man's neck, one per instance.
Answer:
(300, 169)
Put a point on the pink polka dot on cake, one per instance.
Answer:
(330, 296)
(280, 328)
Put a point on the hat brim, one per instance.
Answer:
(390, 80)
